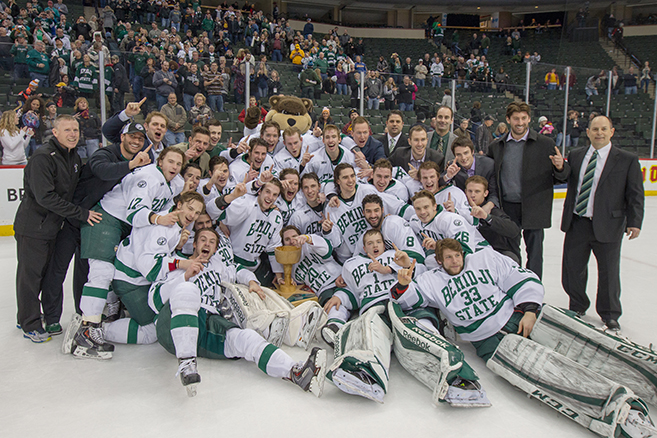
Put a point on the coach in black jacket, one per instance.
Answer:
(527, 165)
(49, 181)
(417, 153)
(595, 218)
(105, 169)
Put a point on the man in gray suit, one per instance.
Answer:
(442, 139)
(604, 199)
(410, 158)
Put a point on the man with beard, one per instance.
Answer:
(155, 126)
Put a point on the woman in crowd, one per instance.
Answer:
(200, 112)
(14, 141)
(390, 93)
(31, 116)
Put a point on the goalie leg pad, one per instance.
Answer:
(582, 395)
(269, 317)
(427, 356)
(305, 319)
(363, 344)
(614, 357)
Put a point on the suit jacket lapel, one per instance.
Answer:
(609, 164)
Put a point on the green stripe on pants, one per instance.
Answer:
(265, 356)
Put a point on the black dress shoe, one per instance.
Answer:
(612, 325)
(580, 314)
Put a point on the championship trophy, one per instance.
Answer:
(288, 256)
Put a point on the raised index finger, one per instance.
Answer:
(141, 102)
(558, 151)
(395, 247)
(148, 148)
(412, 266)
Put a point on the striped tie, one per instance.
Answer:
(587, 185)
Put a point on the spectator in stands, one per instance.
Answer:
(354, 79)
(325, 118)
(408, 68)
(347, 128)
(14, 141)
(462, 130)
(89, 128)
(31, 116)
(447, 99)
(200, 112)
(475, 118)
(359, 65)
(437, 71)
(630, 81)
(484, 136)
(253, 103)
(297, 55)
(572, 78)
(573, 130)
(390, 90)
(213, 85)
(308, 29)
(552, 80)
(308, 80)
(176, 118)
(616, 80)
(373, 90)
(406, 96)
(19, 52)
(645, 76)
(420, 73)
(39, 63)
(382, 66)
(547, 129)
(591, 87)
(501, 130)
(274, 86)
(120, 84)
(165, 83)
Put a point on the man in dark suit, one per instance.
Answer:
(410, 158)
(370, 147)
(605, 198)
(467, 164)
(394, 138)
(526, 168)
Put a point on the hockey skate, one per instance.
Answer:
(189, 376)
(358, 383)
(89, 343)
(328, 333)
(466, 394)
(310, 376)
(309, 327)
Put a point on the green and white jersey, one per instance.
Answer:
(284, 159)
(208, 281)
(146, 255)
(86, 78)
(447, 225)
(240, 167)
(461, 204)
(214, 191)
(253, 231)
(142, 192)
(323, 167)
(480, 299)
(364, 288)
(397, 189)
(224, 248)
(287, 209)
(398, 231)
(317, 269)
(309, 221)
(412, 185)
(349, 219)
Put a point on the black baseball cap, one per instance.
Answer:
(133, 128)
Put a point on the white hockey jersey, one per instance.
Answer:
(480, 299)
(225, 249)
(214, 191)
(323, 167)
(398, 189)
(146, 254)
(398, 231)
(309, 221)
(349, 219)
(317, 269)
(284, 159)
(447, 225)
(240, 167)
(253, 231)
(142, 191)
(364, 288)
(287, 209)
(461, 204)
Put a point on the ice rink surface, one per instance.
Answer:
(136, 394)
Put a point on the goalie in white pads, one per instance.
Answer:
(362, 346)
(196, 321)
(492, 302)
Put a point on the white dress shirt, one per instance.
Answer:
(603, 153)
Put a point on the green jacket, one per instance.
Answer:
(34, 57)
(309, 74)
(20, 53)
(322, 65)
(85, 78)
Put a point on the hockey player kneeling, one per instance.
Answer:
(362, 346)
(493, 303)
(196, 321)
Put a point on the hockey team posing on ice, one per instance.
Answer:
(176, 244)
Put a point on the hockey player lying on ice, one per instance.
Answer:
(585, 374)
(362, 346)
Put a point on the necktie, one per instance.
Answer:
(587, 185)
(440, 145)
(393, 143)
